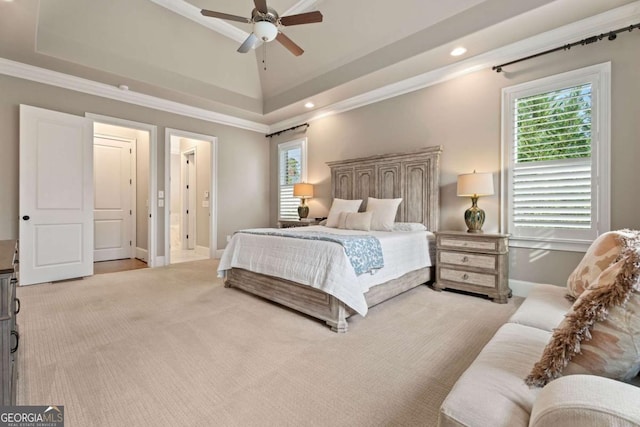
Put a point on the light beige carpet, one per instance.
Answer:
(172, 347)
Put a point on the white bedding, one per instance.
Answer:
(324, 265)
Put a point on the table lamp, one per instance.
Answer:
(475, 185)
(304, 191)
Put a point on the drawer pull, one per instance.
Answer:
(465, 259)
(465, 276)
(17, 310)
(15, 334)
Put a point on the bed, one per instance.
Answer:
(412, 176)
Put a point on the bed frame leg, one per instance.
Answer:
(338, 323)
(340, 327)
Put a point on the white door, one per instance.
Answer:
(189, 200)
(112, 187)
(56, 196)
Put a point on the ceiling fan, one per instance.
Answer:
(266, 25)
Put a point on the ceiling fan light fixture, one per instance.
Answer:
(265, 30)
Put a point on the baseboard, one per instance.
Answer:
(219, 253)
(521, 288)
(142, 254)
(202, 251)
(160, 261)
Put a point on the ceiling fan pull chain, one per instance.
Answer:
(264, 56)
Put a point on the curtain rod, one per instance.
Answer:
(269, 135)
(611, 35)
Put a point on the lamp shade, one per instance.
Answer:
(475, 184)
(265, 30)
(303, 190)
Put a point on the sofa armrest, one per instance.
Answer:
(586, 400)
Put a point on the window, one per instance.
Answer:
(292, 169)
(556, 159)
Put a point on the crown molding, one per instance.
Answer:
(191, 12)
(78, 84)
(601, 23)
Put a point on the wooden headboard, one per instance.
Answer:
(413, 176)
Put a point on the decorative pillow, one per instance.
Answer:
(599, 256)
(384, 213)
(409, 226)
(355, 220)
(341, 205)
(601, 333)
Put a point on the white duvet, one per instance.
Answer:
(324, 265)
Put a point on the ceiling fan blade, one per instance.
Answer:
(248, 44)
(227, 16)
(302, 18)
(289, 44)
(261, 5)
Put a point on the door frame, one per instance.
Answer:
(154, 260)
(133, 165)
(213, 196)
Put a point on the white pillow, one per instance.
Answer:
(341, 205)
(355, 220)
(409, 226)
(384, 213)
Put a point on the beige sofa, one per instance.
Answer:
(492, 392)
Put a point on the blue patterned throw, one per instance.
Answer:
(364, 252)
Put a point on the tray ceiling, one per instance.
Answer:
(165, 48)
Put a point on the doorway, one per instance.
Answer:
(122, 167)
(190, 196)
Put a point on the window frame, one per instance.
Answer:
(599, 76)
(285, 146)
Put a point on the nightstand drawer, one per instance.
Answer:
(466, 259)
(466, 277)
(468, 244)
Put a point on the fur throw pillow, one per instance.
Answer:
(600, 335)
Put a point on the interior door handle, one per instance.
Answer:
(26, 217)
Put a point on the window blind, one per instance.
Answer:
(290, 172)
(551, 168)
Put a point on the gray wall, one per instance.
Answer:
(243, 156)
(463, 115)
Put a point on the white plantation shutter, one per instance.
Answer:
(292, 162)
(552, 194)
(555, 162)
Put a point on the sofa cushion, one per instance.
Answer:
(544, 308)
(491, 391)
(602, 252)
(586, 400)
(601, 333)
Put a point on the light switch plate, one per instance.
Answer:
(161, 194)
(161, 203)
(205, 204)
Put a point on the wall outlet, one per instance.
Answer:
(228, 239)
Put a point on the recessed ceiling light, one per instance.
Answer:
(458, 51)
(309, 104)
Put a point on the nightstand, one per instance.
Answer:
(473, 262)
(288, 223)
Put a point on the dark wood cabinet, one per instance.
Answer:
(9, 334)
